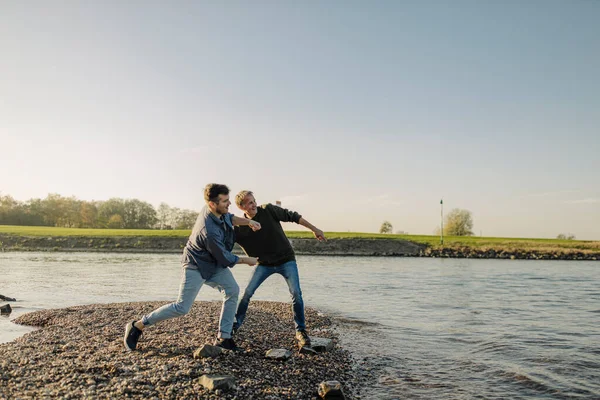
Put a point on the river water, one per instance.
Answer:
(428, 328)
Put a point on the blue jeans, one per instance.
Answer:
(289, 271)
(191, 283)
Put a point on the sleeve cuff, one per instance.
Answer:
(235, 261)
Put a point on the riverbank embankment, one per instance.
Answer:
(309, 246)
(78, 352)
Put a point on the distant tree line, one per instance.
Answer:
(115, 213)
(566, 236)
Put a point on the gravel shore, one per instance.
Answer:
(79, 353)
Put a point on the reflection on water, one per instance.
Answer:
(429, 328)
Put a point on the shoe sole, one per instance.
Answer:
(307, 350)
(127, 330)
(235, 349)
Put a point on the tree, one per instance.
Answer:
(61, 211)
(163, 216)
(89, 215)
(569, 236)
(9, 210)
(386, 227)
(108, 208)
(53, 209)
(185, 219)
(71, 217)
(115, 222)
(138, 214)
(458, 223)
(33, 211)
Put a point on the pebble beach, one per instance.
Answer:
(78, 352)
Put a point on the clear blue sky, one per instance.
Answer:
(350, 112)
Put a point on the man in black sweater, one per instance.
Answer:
(275, 255)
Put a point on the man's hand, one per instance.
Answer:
(319, 235)
(250, 260)
(255, 226)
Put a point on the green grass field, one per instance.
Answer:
(434, 241)
(466, 241)
(52, 231)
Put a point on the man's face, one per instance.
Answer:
(249, 205)
(222, 205)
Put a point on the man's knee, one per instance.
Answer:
(232, 291)
(296, 295)
(182, 309)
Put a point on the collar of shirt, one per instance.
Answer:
(255, 215)
(225, 219)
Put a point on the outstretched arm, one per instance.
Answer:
(248, 260)
(239, 221)
(318, 233)
(225, 258)
(284, 215)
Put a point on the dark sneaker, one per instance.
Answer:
(307, 350)
(227, 344)
(132, 335)
(302, 338)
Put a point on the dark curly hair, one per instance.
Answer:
(213, 190)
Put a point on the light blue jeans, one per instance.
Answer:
(289, 271)
(191, 283)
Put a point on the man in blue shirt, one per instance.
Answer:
(207, 259)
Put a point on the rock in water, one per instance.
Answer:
(330, 390)
(215, 382)
(4, 298)
(5, 309)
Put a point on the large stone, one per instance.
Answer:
(214, 382)
(5, 309)
(321, 344)
(330, 390)
(278, 354)
(208, 351)
(4, 298)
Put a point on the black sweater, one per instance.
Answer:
(269, 244)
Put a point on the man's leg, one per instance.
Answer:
(259, 275)
(188, 290)
(289, 271)
(191, 283)
(224, 281)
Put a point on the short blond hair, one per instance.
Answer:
(239, 198)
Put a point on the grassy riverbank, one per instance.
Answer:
(432, 242)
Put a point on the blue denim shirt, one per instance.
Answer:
(210, 243)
